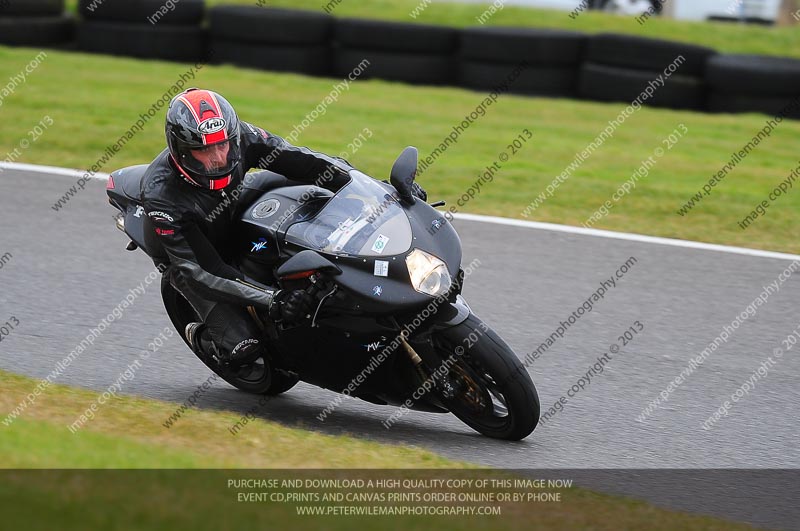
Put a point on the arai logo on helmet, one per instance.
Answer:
(212, 125)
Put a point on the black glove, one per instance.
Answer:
(418, 191)
(291, 306)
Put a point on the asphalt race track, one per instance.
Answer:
(69, 269)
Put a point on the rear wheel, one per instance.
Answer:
(483, 382)
(258, 377)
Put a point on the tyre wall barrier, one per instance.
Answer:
(619, 67)
(412, 53)
(603, 67)
(35, 23)
(285, 40)
(147, 29)
(749, 83)
(551, 59)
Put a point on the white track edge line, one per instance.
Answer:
(51, 170)
(641, 238)
(553, 227)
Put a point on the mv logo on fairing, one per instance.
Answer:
(259, 246)
(372, 347)
(212, 125)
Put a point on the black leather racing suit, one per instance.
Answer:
(189, 228)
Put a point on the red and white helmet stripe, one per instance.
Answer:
(206, 109)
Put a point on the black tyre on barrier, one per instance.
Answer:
(513, 45)
(641, 53)
(179, 12)
(609, 83)
(36, 31)
(771, 105)
(533, 80)
(396, 66)
(31, 8)
(395, 36)
(269, 25)
(147, 41)
(754, 75)
(312, 60)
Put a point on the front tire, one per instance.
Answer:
(485, 386)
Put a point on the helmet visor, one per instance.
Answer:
(212, 160)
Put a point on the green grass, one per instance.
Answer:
(91, 113)
(725, 37)
(127, 433)
(41, 444)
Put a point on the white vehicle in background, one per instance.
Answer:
(628, 7)
(679, 9)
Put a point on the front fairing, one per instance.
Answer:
(368, 233)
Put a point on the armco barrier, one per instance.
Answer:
(604, 67)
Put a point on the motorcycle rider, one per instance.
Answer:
(209, 152)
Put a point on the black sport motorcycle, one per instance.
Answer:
(390, 325)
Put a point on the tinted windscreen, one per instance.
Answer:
(361, 219)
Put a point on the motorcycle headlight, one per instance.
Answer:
(429, 275)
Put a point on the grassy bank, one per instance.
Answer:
(128, 433)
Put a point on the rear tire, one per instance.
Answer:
(506, 404)
(259, 377)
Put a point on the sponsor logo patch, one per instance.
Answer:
(381, 268)
(244, 344)
(380, 244)
(212, 125)
(157, 215)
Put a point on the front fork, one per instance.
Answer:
(452, 315)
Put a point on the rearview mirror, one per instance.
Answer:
(404, 172)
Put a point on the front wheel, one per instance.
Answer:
(482, 382)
